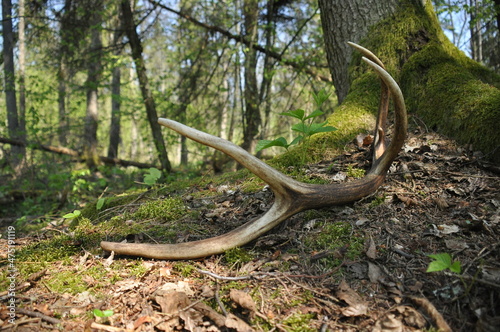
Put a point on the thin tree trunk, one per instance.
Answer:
(252, 118)
(62, 76)
(22, 66)
(135, 45)
(345, 21)
(92, 83)
(15, 129)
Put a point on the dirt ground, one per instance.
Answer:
(438, 198)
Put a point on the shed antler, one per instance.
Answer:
(291, 196)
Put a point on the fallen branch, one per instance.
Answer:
(74, 153)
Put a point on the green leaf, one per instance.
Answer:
(456, 267)
(321, 97)
(265, 144)
(105, 313)
(72, 215)
(314, 114)
(298, 114)
(442, 262)
(320, 128)
(301, 128)
(152, 177)
(100, 203)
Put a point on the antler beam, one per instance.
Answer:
(291, 196)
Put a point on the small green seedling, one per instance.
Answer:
(72, 215)
(442, 262)
(306, 128)
(151, 178)
(102, 314)
(100, 203)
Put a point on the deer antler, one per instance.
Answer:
(291, 196)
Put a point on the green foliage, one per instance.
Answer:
(442, 262)
(305, 128)
(152, 176)
(72, 215)
(102, 314)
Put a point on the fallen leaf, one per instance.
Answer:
(236, 323)
(172, 302)
(375, 273)
(357, 306)
(243, 299)
(371, 251)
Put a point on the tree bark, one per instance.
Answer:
(14, 122)
(22, 65)
(252, 118)
(92, 83)
(136, 47)
(344, 21)
(115, 126)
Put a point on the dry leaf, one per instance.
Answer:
(388, 323)
(172, 302)
(243, 299)
(371, 251)
(375, 273)
(357, 306)
(236, 323)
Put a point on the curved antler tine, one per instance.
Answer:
(383, 162)
(275, 179)
(379, 142)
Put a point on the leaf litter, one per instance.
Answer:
(438, 198)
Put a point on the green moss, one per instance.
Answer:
(237, 256)
(355, 172)
(299, 323)
(185, 269)
(163, 209)
(336, 236)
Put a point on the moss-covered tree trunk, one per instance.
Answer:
(448, 91)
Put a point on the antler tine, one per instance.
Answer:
(291, 196)
(379, 142)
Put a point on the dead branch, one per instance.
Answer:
(74, 153)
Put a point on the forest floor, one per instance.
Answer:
(360, 267)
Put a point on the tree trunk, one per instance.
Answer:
(92, 83)
(15, 129)
(344, 21)
(252, 118)
(450, 92)
(22, 66)
(136, 47)
(115, 126)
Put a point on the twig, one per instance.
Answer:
(46, 318)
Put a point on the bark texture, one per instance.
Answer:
(345, 21)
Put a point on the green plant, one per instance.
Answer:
(151, 178)
(72, 215)
(306, 128)
(442, 262)
(102, 314)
